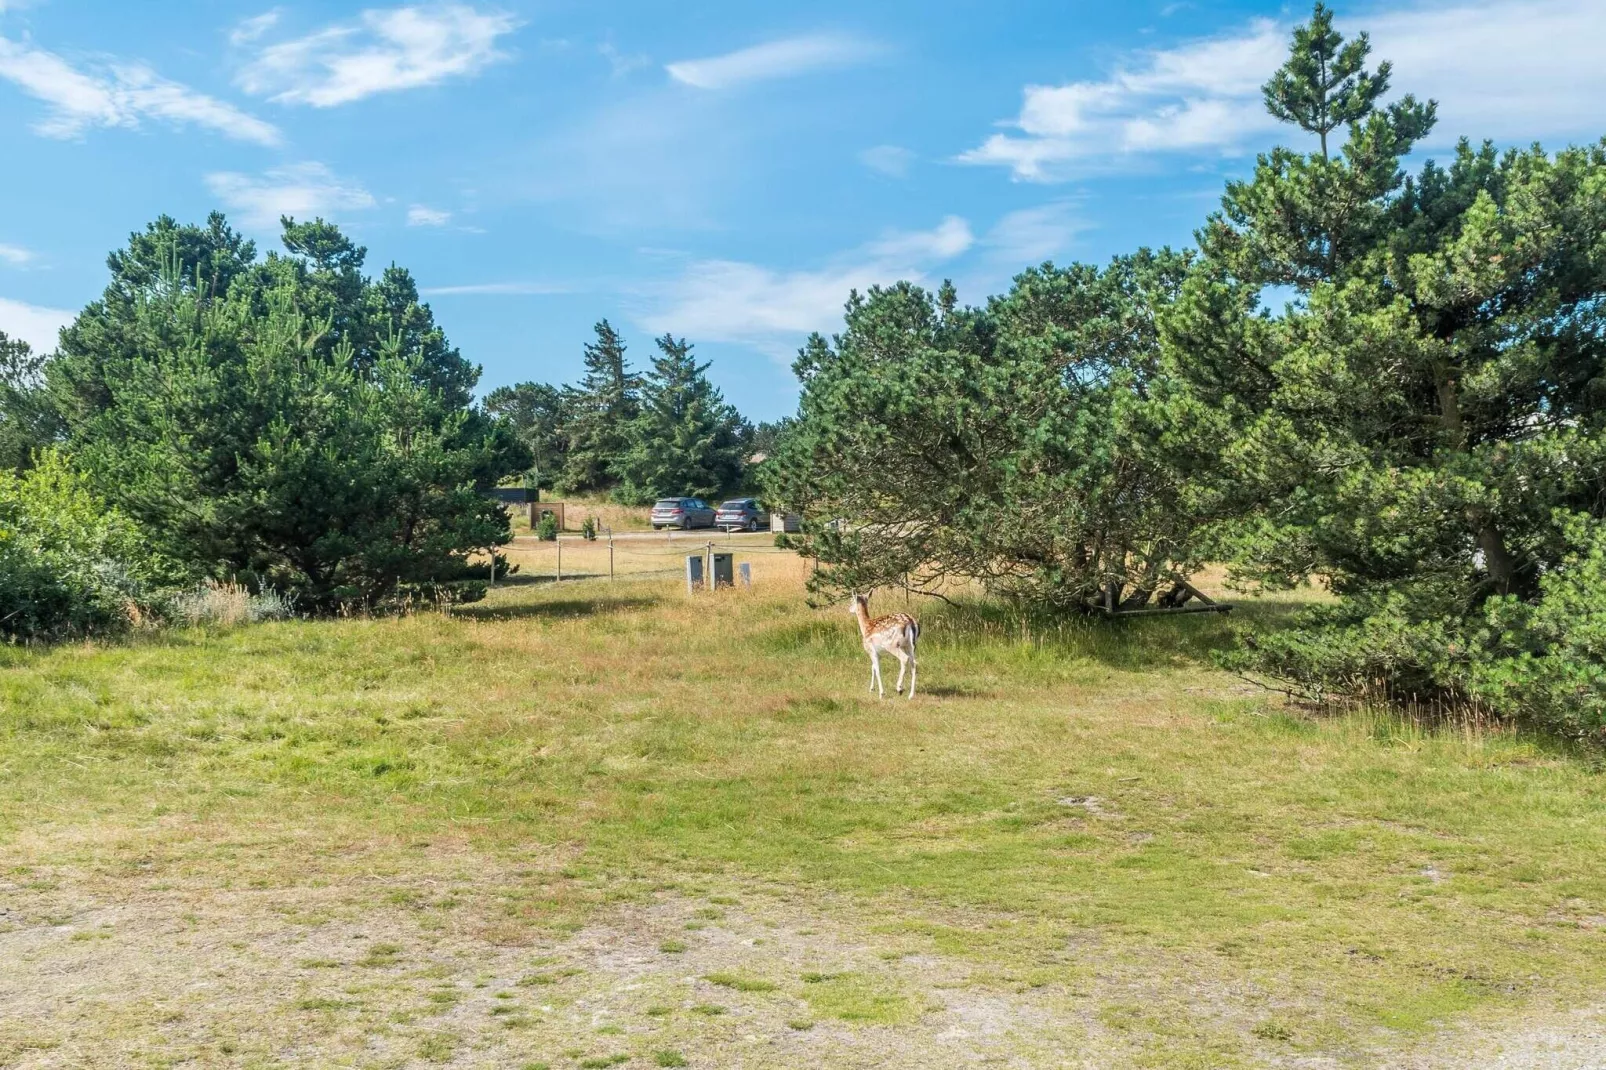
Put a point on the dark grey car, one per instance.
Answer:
(682, 513)
(741, 514)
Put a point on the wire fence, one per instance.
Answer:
(608, 558)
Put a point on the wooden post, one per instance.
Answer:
(610, 555)
(559, 541)
(708, 567)
(493, 567)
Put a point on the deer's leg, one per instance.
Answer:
(875, 673)
(914, 667)
(872, 670)
(903, 665)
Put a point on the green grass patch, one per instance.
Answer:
(739, 982)
(1058, 784)
(854, 998)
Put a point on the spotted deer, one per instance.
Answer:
(896, 633)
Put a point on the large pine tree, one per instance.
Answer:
(686, 440)
(600, 410)
(1426, 427)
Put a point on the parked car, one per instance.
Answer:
(741, 514)
(682, 513)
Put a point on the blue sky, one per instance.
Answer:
(725, 171)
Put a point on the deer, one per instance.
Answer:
(896, 633)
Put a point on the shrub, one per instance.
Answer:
(546, 528)
(228, 604)
(588, 530)
(1541, 661)
(69, 566)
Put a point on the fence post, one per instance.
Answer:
(493, 569)
(610, 555)
(559, 541)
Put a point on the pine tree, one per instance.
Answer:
(686, 440)
(1305, 219)
(539, 415)
(1424, 428)
(1325, 83)
(601, 410)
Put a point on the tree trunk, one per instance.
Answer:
(1502, 567)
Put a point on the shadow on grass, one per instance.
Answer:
(951, 691)
(557, 608)
(521, 580)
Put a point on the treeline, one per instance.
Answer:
(667, 432)
(286, 422)
(1421, 427)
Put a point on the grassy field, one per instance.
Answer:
(595, 824)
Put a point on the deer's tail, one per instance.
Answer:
(912, 631)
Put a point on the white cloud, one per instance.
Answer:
(301, 190)
(733, 301)
(15, 255)
(35, 325)
(1033, 235)
(248, 30)
(775, 59)
(1512, 70)
(890, 160)
(420, 215)
(388, 50)
(947, 240)
(120, 96)
(1506, 69)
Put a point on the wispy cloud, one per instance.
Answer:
(34, 324)
(775, 59)
(420, 215)
(1033, 235)
(121, 95)
(15, 255)
(248, 30)
(890, 160)
(1500, 68)
(1204, 94)
(307, 189)
(621, 63)
(520, 289)
(735, 301)
(385, 51)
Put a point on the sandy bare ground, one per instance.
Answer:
(425, 959)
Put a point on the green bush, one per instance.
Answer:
(308, 428)
(70, 567)
(1541, 661)
(546, 529)
(588, 530)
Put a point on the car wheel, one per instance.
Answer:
(685, 525)
(752, 524)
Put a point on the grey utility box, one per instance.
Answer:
(724, 571)
(785, 522)
(694, 572)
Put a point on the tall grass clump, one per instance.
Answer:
(229, 604)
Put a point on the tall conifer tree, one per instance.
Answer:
(687, 440)
(601, 410)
